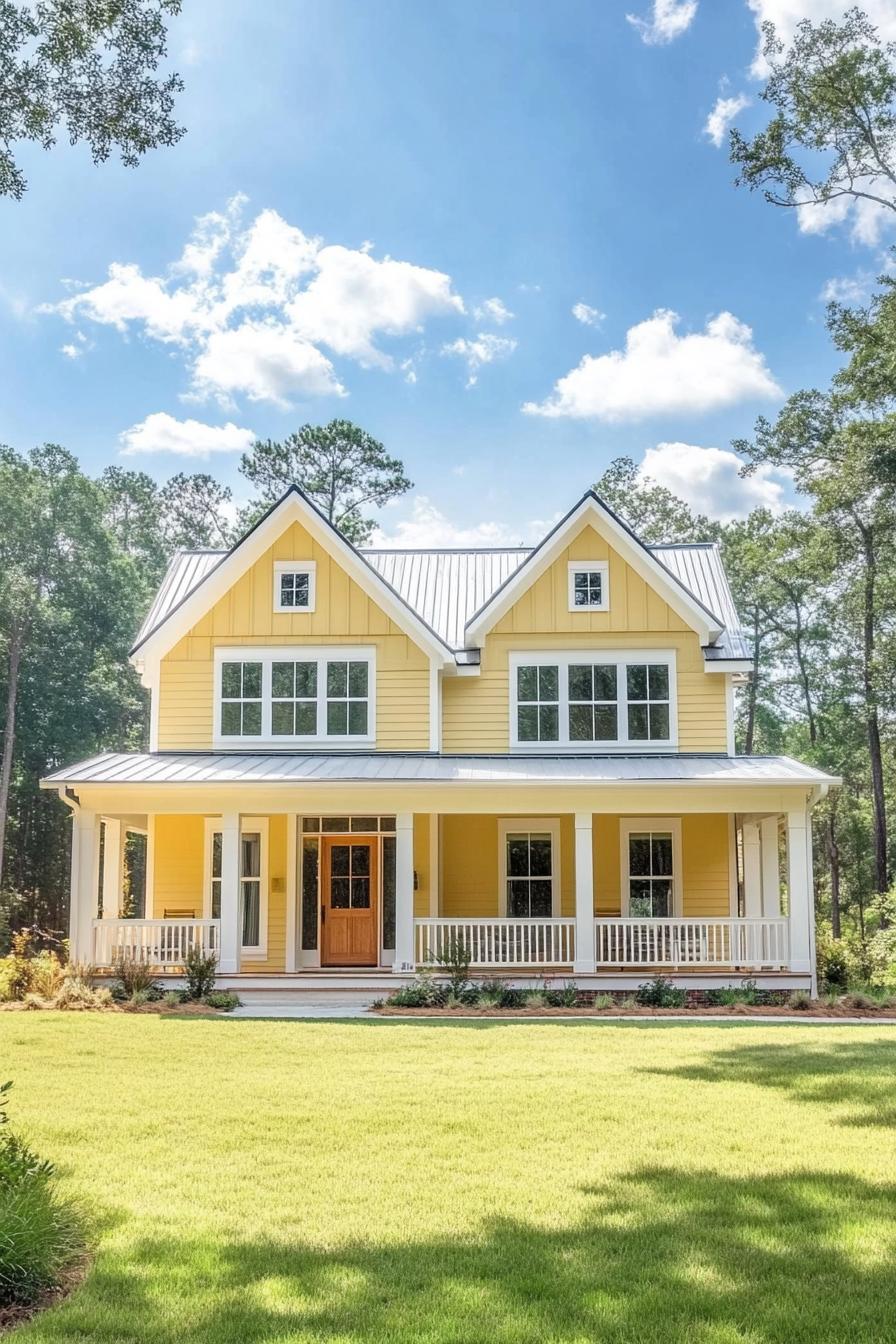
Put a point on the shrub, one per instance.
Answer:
(200, 968)
(454, 959)
(833, 964)
(800, 999)
(601, 1001)
(566, 996)
(76, 994)
(491, 993)
(535, 998)
(26, 971)
(859, 1002)
(223, 999)
(660, 993)
(422, 992)
(174, 998)
(40, 1234)
(133, 976)
(731, 995)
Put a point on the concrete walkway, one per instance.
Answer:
(325, 1005)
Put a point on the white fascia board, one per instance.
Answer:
(727, 665)
(641, 560)
(293, 507)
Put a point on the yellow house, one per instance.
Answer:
(359, 757)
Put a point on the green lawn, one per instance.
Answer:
(283, 1181)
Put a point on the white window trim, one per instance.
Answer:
(518, 825)
(601, 567)
(308, 567)
(247, 824)
(620, 659)
(630, 825)
(295, 653)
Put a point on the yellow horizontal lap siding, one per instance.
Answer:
(471, 862)
(706, 864)
(476, 710)
(343, 615)
(422, 874)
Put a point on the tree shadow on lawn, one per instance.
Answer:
(661, 1257)
(858, 1076)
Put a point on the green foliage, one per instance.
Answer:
(563, 996)
(133, 975)
(200, 969)
(660, 992)
(40, 1233)
(341, 467)
(89, 70)
(603, 1001)
(800, 999)
(223, 999)
(29, 971)
(655, 513)
(833, 127)
(454, 960)
(833, 964)
(424, 991)
(535, 998)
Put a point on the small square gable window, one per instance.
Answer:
(589, 585)
(294, 585)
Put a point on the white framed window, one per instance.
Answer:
(589, 585)
(529, 867)
(650, 876)
(253, 880)
(294, 585)
(295, 696)
(585, 699)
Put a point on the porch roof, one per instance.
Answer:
(191, 768)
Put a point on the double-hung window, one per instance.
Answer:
(530, 868)
(650, 852)
(573, 700)
(301, 696)
(252, 880)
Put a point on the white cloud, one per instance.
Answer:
(662, 373)
(722, 116)
(482, 349)
(76, 348)
(427, 526)
(493, 310)
(868, 220)
(266, 361)
(251, 306)
(668, 20)
(588, 316)
(786, 14)
(708, 480)
(162, 433)
(849, 289)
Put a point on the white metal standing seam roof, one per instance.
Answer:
(209, 768)
(446, 587)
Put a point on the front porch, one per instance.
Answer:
(706, 898)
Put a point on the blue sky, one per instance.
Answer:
(379, 186)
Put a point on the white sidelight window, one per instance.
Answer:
(294, 585)
(530, 868)
(589, 585)
(307, 696)
(605, 700)
(650, 850)
(253, 899)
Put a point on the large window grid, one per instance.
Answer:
(304, 696)
(574, 700)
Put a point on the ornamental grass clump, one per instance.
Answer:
(41, 1234)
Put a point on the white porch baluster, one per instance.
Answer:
(584, 950)
(231, 934)
(404, 893)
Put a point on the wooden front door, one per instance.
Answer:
(349, 901)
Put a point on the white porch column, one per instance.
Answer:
(799, 891)
(113, 870)
(752, 870)
(584, 963)
(230, 931)
(84, 884)
(404, 893)
(771, 873)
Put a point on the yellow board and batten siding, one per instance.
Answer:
(476, 710)
(245, 615)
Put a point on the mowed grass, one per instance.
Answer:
(259, 1181)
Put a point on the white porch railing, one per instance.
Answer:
(750, 943)
(159, 942)
(498, 942)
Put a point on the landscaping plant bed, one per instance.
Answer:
(817, 1009)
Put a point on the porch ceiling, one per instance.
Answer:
(273, 768)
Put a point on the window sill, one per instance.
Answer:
(290, 743)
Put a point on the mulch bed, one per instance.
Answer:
(159, 1009)
(732, 1010)
(17, 1314)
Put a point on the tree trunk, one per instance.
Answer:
(833, 854)
(872, 719)
(16, 642)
